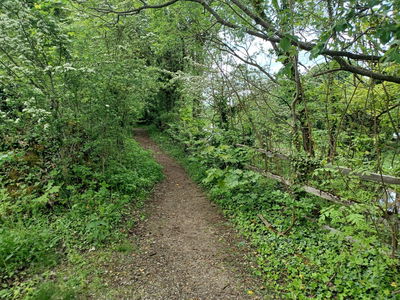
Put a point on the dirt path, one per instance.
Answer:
(187, 250)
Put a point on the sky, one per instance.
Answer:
(257, 50)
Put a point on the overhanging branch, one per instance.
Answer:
(271, 34)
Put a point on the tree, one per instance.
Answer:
(357, 40)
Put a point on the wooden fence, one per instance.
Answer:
(368, 176)
(365, 176)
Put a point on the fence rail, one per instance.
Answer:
(387, 179)
(306, 188)
(367, 176)
(391, 215)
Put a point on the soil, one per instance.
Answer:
(186, 248)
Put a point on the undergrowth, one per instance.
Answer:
(296, 257)
(38, 233)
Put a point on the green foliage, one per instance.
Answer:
(35, 238)
(72, 85)
(303, 167)
(69, 169)
(305, 262)
(53, 291)
(24, 245)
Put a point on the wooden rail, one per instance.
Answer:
(333, 198)
(367, 176)
(306, 188)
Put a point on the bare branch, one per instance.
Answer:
(246, 61)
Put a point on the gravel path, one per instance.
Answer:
(186, 248)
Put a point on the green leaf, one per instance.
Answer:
(275, 4)
(42, 199)
(384, 36)
(393, 55)
(341, 26)
(287, 69)
(54, 189)
(316, 50)
(285, 44)
(356, 219)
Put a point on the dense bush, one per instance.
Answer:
(69, 168)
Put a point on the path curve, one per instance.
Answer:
(187, 249)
